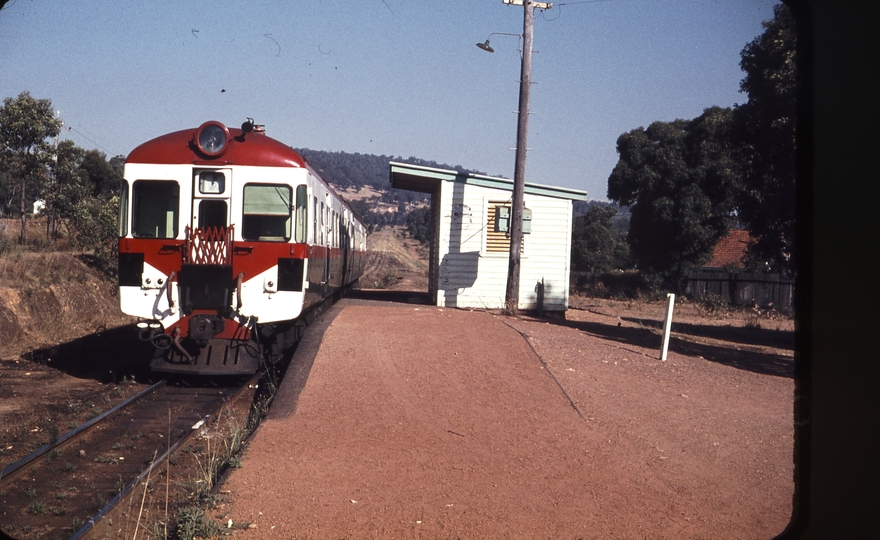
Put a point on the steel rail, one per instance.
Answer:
(92, 521)
(18, 465)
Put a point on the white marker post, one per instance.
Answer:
(667, 326)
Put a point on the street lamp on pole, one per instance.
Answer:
(511, 297)
(488, 48)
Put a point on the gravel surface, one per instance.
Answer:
(411, 421)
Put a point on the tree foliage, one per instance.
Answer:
(94, 226)
(688, 181)
(680, 180)
(91, 206)
(26, 126)
(104, 175)
(596, 243)
(79, 187)
(766, 134)
(418, 223)
(65, 187)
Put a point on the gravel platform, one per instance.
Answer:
(398, 420)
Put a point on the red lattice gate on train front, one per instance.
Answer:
(209, 245)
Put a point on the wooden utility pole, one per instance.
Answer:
(511, 298)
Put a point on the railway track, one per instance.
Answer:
(74, 486)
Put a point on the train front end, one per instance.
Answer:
(213, 248)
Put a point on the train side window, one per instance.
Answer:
(156, 208)
(323, 223)
(302, 214)
(315, 219)
(266, 213)
(123, 210)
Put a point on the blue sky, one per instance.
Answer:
(393, 77)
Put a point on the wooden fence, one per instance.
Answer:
(743, 289)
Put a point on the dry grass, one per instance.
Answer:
(21, 268)
(38, 262)
(10, 231)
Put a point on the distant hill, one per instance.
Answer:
(621, 220)
(356, 171)
(345, 170)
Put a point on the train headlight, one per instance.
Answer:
(212, 138)
(148, 329)
(152, 325)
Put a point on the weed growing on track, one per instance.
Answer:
(182, 512)
(36, 508)
(192, 522)
(219, 456)
(77, 523)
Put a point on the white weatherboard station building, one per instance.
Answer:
(470, 244)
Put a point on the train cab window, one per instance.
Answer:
(123, 210)
(266, 214)
(212, 213)
(212, 182)
(302, 214)
(155, 209)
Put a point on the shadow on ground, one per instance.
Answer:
(384, 295)
(107, 356)
(749, 358)
(742, 350)
(780, 339)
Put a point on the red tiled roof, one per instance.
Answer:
(731, 249)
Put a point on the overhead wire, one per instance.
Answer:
(544, 11)
(84, 136)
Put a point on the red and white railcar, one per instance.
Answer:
(227, 238)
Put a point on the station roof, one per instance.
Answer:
(427, 180)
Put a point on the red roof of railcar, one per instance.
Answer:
(254, 149)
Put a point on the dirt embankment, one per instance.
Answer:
(51, 298)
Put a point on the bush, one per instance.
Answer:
(94, 223)
(616, 284)
(712, 303)
(192, 522)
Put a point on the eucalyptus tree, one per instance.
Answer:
(67, 188)
(27, 126)
(681, 180)
(766, 127)
(104, 176)
(596, 246)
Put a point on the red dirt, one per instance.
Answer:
(422, 422)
